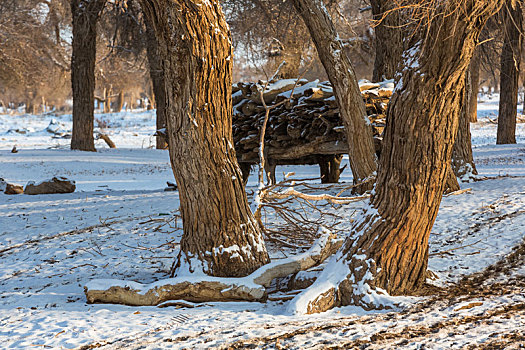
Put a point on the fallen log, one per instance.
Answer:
(200, 288)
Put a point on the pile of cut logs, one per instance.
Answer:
(304, 126)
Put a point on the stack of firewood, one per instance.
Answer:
(304, 116)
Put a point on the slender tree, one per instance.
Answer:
(387, 250)
(348, 96)
(462, 158)
(85, 16)
(221, 236)
(509, 72)
(157, 80)
(474, 85)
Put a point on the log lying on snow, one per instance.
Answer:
(207, 288)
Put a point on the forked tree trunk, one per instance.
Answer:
(85, 16)
(388, 39)
(509, 72)
(388, 249)
(157, 81)
(462, 158)
(346, 90)
(221, 236)
(474, 86)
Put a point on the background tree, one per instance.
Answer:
(509, 74)
(34, 67)
(221, 236)
(462, 158)
(157, 80)
(85, 15)
(388, 39)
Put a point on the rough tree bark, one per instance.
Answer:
(342, 76)
(474, 86)
(221, 236)
(157, 80)
(509, 72)
(387, 250)
(85, 15)
(462, 158)
(388, 39)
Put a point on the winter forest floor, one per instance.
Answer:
(121, 224)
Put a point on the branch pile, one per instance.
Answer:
(306, 125)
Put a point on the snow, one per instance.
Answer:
(121, 225)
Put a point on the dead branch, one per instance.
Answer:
(320, 197)
(207, 288)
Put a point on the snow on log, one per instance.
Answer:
(200, 288)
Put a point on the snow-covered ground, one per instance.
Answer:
(120, 223)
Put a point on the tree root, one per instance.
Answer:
(207, 288)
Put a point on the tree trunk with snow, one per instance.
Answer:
(509, 72)
(221, 236)
(157, 81)
(387, 250)
(84, 44)
(342, 76)
(388, 39)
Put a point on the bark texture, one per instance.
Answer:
(342, 76)
(388, 248)
(157, 80)
(221, 236)
(85, 16)
(388, 39)
(509, 72)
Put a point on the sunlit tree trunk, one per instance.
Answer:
(84, 44)
(346, 90)
(221, 236)
(387, 250)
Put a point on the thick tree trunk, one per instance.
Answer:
(157, 81)
(462, 158)
(474, 86)
(388, 248)
(509, 72)
(85, 16)
(388, 39)
(221, 236)
(348, 96)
